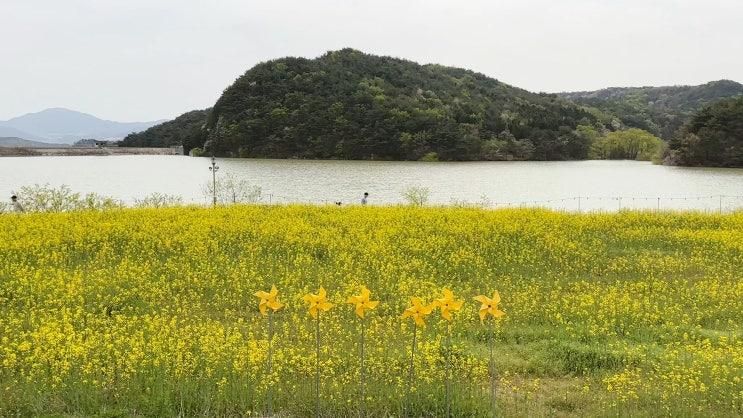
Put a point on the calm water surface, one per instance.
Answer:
(552, 184)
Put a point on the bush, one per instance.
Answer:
(158, 200)
(632, 144)
(38, 198)
(231, 189)
(416, 196)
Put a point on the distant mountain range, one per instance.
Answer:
(14, 142)
(64, 126)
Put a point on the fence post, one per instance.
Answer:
(659, 204)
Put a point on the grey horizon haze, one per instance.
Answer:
(142, 60)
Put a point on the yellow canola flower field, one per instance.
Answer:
(152, 312)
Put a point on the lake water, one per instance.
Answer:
(601, 185)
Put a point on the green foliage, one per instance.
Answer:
(350, 105)
(658, 110)
(713, 137)
(430, 157)
(184, 130)
(632, 144)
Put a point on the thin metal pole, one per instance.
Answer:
(659, 204)
(448, 370)
(362, 412)
(270, 362)
(492, 369)
(317, 368)
(720, 209)
(214, 169)
(411, 374)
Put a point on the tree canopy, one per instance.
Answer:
(350, 105)
(658, 110)
(184, 130)
(713, 137)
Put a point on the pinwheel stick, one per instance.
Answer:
(270, 363)
(411, 375)
(362, 405)
(317, 368)
(448, 370)
(492, 367)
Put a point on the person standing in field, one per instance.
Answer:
(16, 204)
(365, 199)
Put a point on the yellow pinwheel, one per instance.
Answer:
(418, 311)
(318, 302)
(448, 304)
(489, 306)
(269, 300)
(362, 302)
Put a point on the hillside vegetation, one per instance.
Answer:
(713, 137)
(658, 110)
(184, 130)
(350, 105)
(153, 312)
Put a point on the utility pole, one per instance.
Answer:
(214, 169)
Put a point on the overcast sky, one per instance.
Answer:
(136, 60)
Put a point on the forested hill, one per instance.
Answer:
(350, 105)
(659, 110)
(184, 130)
(713, 137)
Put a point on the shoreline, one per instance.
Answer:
(83, 151)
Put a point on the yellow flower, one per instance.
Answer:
(362, 302)
(489, 306)
(317, 302)
(418, 311)
(448, 304)
(268, 300)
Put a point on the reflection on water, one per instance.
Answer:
(561, 185)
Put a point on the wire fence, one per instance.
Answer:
(710, 203)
